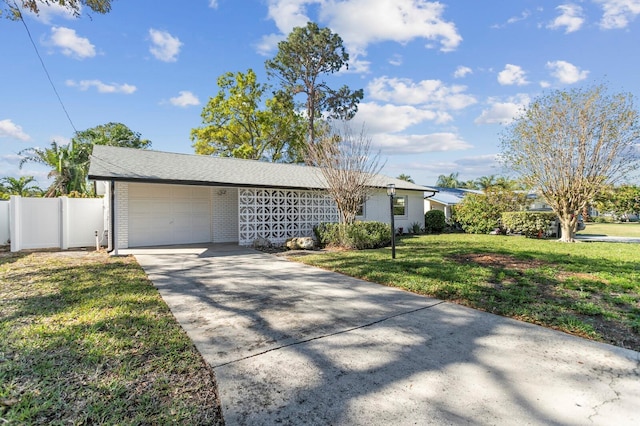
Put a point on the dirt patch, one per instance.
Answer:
(495, 260)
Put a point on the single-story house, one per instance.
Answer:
(161, 198)
(445, 198)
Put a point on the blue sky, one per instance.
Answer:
(440, 79)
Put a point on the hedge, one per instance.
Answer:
(358, 235)
(527, 223)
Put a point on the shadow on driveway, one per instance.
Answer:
(294, 344)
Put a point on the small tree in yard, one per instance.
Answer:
(571, 144)
(347, 167)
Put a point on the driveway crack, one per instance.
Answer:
(300, 342)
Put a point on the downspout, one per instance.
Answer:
(433, 193)
(112, 219)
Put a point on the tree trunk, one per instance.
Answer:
(568, 228)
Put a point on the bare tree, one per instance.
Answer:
(347, 168)
(570, 144)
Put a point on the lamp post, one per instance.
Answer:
(391, 192)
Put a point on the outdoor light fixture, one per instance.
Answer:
(391, 192)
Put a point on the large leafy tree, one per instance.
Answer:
(13, 8)
(69, 163)
(620, 200)
(303, 58)
(240, 122)
(114, 134)
(571, 144)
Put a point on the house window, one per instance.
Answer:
(361, 211)
(400, 206)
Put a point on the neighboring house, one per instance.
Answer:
(445, 198)
(161, 198)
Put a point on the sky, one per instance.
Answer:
(441, 80)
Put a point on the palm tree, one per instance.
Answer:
(69, 164)
(406, 178)
(450, 181)
(485, 183)
(22, 186)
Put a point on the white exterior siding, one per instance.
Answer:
(377, 208)
(224, 225)
(122, 214)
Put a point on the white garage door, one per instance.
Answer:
(168, 214)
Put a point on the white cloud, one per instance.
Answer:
(396, 60)
(468, 167)
(102, 87)
(571, 18)
(503, 112)
(185, 99)
(618, 13)
(566, 72)
(462, 72)
(418, 144)
(363, 22)
(164, 46)
(431, 93)
(523, 16)
(213, 4)
(512, 74)
(392, 119)
(8, 129)
(71, 44)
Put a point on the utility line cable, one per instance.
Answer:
(45, 68)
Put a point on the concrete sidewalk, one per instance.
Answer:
(293, 344)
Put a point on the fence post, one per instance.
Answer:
(14, 222)
(64, 223)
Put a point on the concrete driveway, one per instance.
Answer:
(293, 344)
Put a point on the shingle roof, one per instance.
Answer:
(128, 164)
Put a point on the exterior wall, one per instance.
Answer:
(377, 208)
(122, 214)
(278, 214)
(224, 220)
(434, 205)
(38, 223)
(4, 222)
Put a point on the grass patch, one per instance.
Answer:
(591, 290)
(630, 230)
(86, 339)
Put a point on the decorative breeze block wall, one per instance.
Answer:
(278, 214)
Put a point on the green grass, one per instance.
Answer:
(588, 289)
(88, 340)
(612, 229)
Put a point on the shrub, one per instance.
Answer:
(481, 213)
(358, 235)
(529, 224)
(415, 228)
(434, 222)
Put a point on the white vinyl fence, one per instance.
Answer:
(4, 222)
(63, 222)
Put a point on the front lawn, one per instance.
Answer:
(631, 229)
(86, 339)
(587, 289)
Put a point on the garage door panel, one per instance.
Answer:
(168, 214)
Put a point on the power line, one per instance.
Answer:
(53, 86)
